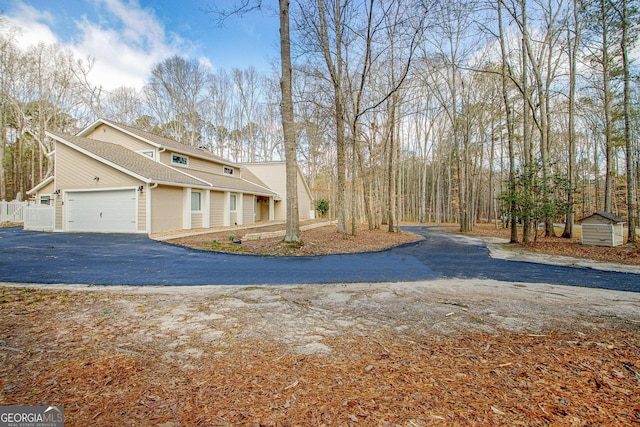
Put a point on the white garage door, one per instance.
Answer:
(111, 211)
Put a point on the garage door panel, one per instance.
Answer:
(102, 211)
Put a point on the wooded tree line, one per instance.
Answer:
(405, 110)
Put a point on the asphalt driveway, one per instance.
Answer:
(110, 259)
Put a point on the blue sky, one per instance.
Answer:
(127, 37)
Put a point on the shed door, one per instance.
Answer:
(112, 211)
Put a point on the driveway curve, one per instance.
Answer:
(117, 259)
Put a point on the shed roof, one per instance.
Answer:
(607, 216)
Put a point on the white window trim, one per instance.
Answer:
(227, 170)
(50, 198)
(184, 165)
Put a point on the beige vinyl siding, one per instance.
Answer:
(599, 231)
(258, 210)
(596, 234)
(142, 211)
(59, 210)
(196, 220)
(274, 175)
(47, 189)
(248, 206)
(75, 170)
(109, 134)
(233, 218)
(166, 213)
(217, 209)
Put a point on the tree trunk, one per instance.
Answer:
(391, 171)
(631, 198)
(608, 125)
(526, 141)
(292, 234)
(335, 70)
(507, 107)
(569, 231)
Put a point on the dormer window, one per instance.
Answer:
(180, 160)
(227, 170)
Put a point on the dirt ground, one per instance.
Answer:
(435, 353)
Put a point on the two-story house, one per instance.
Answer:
(115, 178)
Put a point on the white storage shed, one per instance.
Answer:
(603, 229)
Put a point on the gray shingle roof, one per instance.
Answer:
(607, 215)
(135, 163)
(233, 184)
(153, 171)
(169, 143)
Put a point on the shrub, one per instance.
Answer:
(322, 206)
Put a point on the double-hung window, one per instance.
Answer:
(196, 201)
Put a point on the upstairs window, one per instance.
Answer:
(179, 160)
(227, 170)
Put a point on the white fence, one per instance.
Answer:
(39, 217)
(11, 211)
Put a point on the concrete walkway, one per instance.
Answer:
(497, 249)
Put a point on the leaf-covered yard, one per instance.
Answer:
(442, 354)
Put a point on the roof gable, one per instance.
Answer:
(158, 141)
(40, 186)
(136, 165)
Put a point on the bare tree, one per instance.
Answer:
(292, 233)
(573, 44)
(627, 12)
(599, 42)
(176, 93)
(123, 104)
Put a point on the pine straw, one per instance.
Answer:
(386, 378)
(318, 241)
(511, 379)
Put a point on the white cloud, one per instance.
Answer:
(34, 26)
(125, 40)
